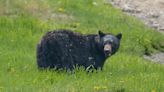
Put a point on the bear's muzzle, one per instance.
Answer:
(107, 49)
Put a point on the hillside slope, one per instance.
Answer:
(24, 22)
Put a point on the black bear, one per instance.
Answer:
(64, 49)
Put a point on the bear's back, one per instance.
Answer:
(66, 38)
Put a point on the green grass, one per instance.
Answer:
(23, 23)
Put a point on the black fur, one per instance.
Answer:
(62, 49)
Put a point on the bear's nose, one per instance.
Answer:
(108, 47)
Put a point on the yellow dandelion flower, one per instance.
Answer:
(12, 70)
(95, 3)
(153, 91)
(61, 10)
(77, 24)
(96, 87)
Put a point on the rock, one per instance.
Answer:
(161, 28)
(155, 25)
(157, 58)
(127, 8)
(154, 15)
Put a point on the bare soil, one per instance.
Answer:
(150, 11)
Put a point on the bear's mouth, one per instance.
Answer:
(107, 53)
(108, 50)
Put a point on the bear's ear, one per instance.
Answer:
(101, 34)
(119, 36)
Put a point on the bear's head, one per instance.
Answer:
(109, 43)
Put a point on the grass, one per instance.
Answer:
(23, 23)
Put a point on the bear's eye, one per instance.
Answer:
(108, 40)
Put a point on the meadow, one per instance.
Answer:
(24, 22)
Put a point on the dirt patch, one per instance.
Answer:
(150, 11)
